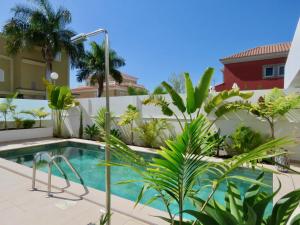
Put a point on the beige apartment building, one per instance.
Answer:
(115, 89)
(24, 72)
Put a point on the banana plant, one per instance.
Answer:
(196, 97)
(174, 174)
(60, 100)
(247, 209)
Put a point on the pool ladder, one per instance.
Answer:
(50, 162)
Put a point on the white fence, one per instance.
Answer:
(289, 126)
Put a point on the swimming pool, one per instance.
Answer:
(85, 158)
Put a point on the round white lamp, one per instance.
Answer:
(54, 76)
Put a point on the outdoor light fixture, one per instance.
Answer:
(80, 38)
(83, 36)
(54, 76)
(235, 86)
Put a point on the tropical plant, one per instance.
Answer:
(177, 82)
(60, 100)
(39, 113)
(196, 97)
(18, 121)
(128, 118)
(91, 131)
(7, 107)
(80, 132)
(243, 139)
(159, 90)
(115, 132)
(42, 26)
(174, 174)
(100, 123)
(92, 66)
(219, 140)
(151, 133)
(247, 209)
(105, 218)
(137, 91)
(28, 123)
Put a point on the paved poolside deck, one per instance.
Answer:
(20, 205)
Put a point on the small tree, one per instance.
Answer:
(128, 118)
(276, 104)
(39, 114)
(7, 107)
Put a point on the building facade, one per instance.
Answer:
(257, 68)
(115, 89)
(24, 72)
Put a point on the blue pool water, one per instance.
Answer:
(85, 158)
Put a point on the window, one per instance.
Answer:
(58, 57)
(269, 71)
(273, 71)
(281, 70)
(1, 75)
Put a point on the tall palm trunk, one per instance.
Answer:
(100, 86)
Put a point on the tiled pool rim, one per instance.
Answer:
(289, 181)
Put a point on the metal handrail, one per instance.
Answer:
(50, 162)
(70, 166)
(35, 160)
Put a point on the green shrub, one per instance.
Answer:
(28, 123)
(91, 131)
(151, 133)
(242, 140)
(18, 122)
(115, 132)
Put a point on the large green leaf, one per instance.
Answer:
(159, 100)
(284, 208)
(235, 202)
(190, 94)
(177, 100)
(202, 89)
(219, 99)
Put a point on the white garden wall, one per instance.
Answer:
(289, 126)
(25, 134)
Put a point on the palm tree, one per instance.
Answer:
(42, 26)
(92, 66)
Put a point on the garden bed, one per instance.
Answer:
(24, 134)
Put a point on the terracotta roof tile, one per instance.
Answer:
(262, 50)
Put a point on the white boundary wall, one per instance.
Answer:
(289, 126)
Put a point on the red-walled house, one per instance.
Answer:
(257, 68)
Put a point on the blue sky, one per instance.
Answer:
(161, 37)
